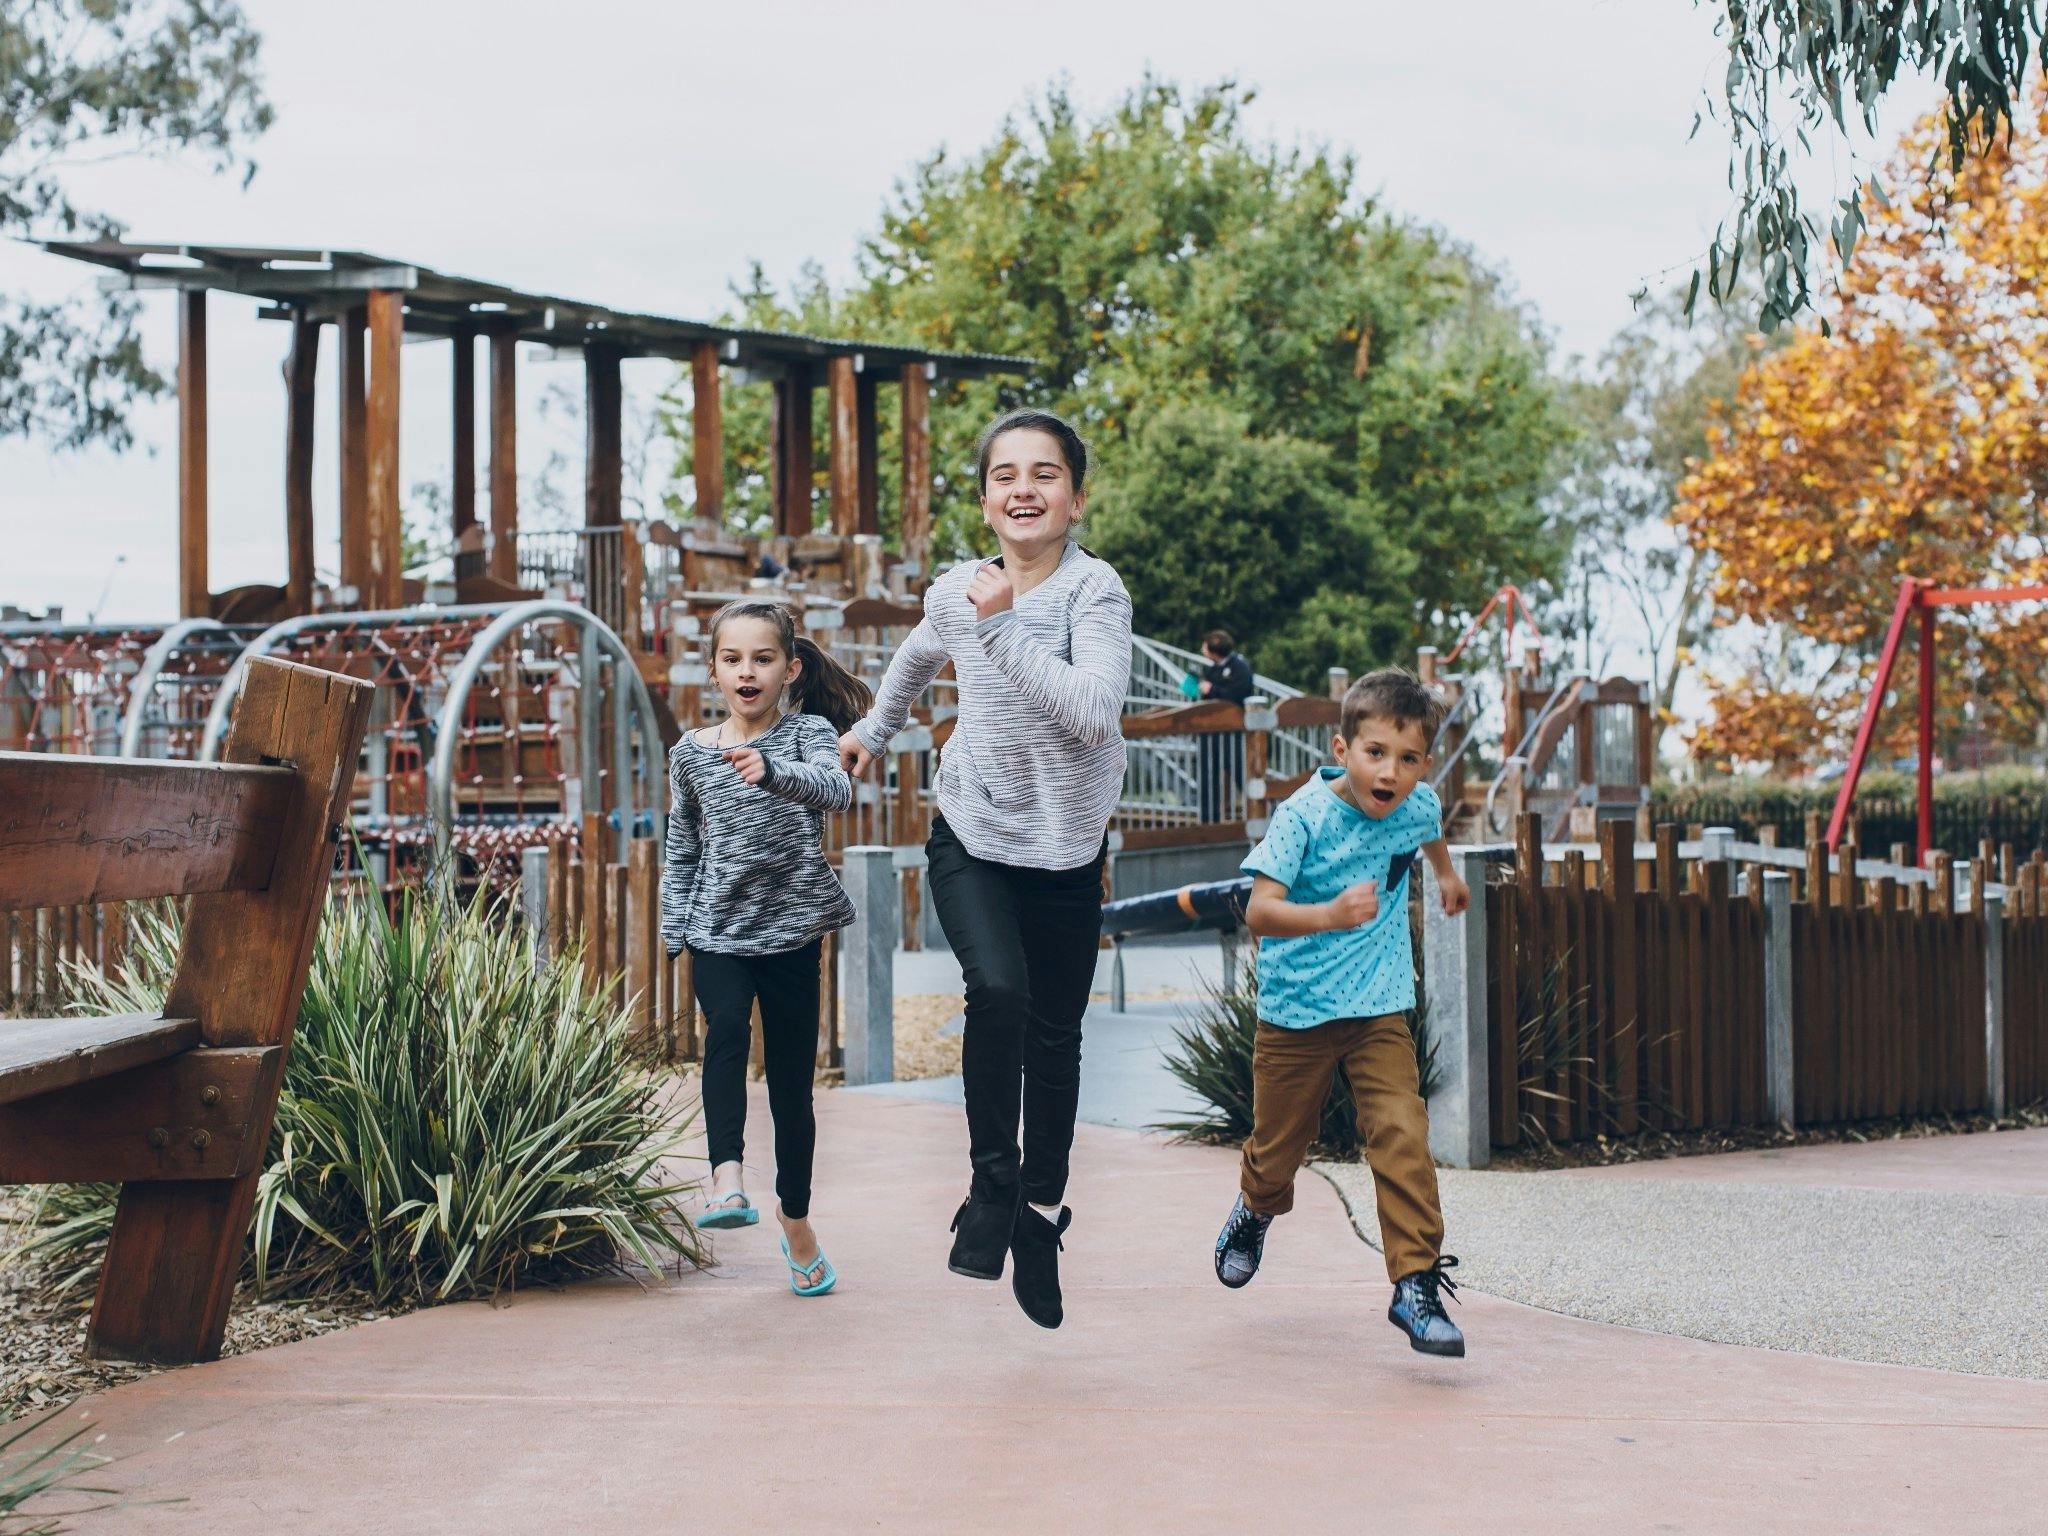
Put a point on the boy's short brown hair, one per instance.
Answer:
(1391, 693)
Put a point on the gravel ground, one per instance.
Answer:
(43, 1362)
(1899, 1277)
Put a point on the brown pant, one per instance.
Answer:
(1291, 1081)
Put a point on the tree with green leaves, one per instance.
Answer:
(1801, 70)
(1644, 415)
(1169, 274)
(94, 79)
(1202, 516)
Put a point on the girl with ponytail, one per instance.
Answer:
(746, 888)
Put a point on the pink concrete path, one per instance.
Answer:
(917, 1401)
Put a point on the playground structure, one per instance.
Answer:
(373, 303)
(525, 701)
(1922, 600)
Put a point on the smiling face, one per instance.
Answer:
(1383, 761)
(1028, 494)
(751, 668)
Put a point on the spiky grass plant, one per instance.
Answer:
(35, 1466)
(1212, 1058)
(1556, 1030)
(457, 1117)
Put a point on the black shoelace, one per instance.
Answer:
(1245, 1227)
(1428, 1282)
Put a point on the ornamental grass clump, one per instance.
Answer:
(458, 1118)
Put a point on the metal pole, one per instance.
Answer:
(587, 717)
(622, 754)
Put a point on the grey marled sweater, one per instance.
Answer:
(746, 871)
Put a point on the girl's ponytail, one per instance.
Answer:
(826, 688)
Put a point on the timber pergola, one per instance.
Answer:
(373, 301)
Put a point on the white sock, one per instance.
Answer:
(1050, 1212)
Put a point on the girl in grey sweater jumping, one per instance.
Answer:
(1040, 640)
(747, 889)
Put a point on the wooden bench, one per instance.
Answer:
(177, 1108)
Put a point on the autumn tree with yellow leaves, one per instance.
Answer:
(1911, 440)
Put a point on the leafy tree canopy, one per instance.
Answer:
(1803, 69)
(1172, 276)
(93, 79)
(1906, 440)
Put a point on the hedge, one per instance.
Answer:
(2006, 805)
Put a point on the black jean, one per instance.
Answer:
(787, 985)
(1026, 941)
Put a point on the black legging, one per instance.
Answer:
(787, 985)
(1026, 941)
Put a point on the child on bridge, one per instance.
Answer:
(746, 887)
(1336, 980)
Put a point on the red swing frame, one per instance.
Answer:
(1921, 597)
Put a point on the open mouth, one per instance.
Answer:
(747, 692)
(1383, 796)
(1025, 514)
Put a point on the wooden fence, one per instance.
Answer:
(1631, 993)
(1675, 986)
(36, 945)
(613, 912)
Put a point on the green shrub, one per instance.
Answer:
(1212, 1058)
(2006, 805)
(456, 1119)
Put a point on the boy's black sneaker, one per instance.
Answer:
(1035, 1279)
(981, 1229)
(1240, 1245)
(1418, 1310)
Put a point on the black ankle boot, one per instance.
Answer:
(981, 1230)
(1035, 1245)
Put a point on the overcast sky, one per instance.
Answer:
(640, 154)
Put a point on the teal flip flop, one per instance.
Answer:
(722, 1215)
(797, 1271)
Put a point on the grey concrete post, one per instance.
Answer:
(533, 899)
(1231, 942)
(867, 964)
(1454, 960)
(1778, 1079)
(1994, 1003)
(1717, 844)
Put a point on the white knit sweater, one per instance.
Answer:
(1032, 772)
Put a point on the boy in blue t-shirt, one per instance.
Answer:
(1336, 983)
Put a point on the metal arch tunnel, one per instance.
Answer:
(634, 714)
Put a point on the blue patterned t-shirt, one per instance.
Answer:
(1319, 846)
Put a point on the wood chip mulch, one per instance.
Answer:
(43, 1363)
